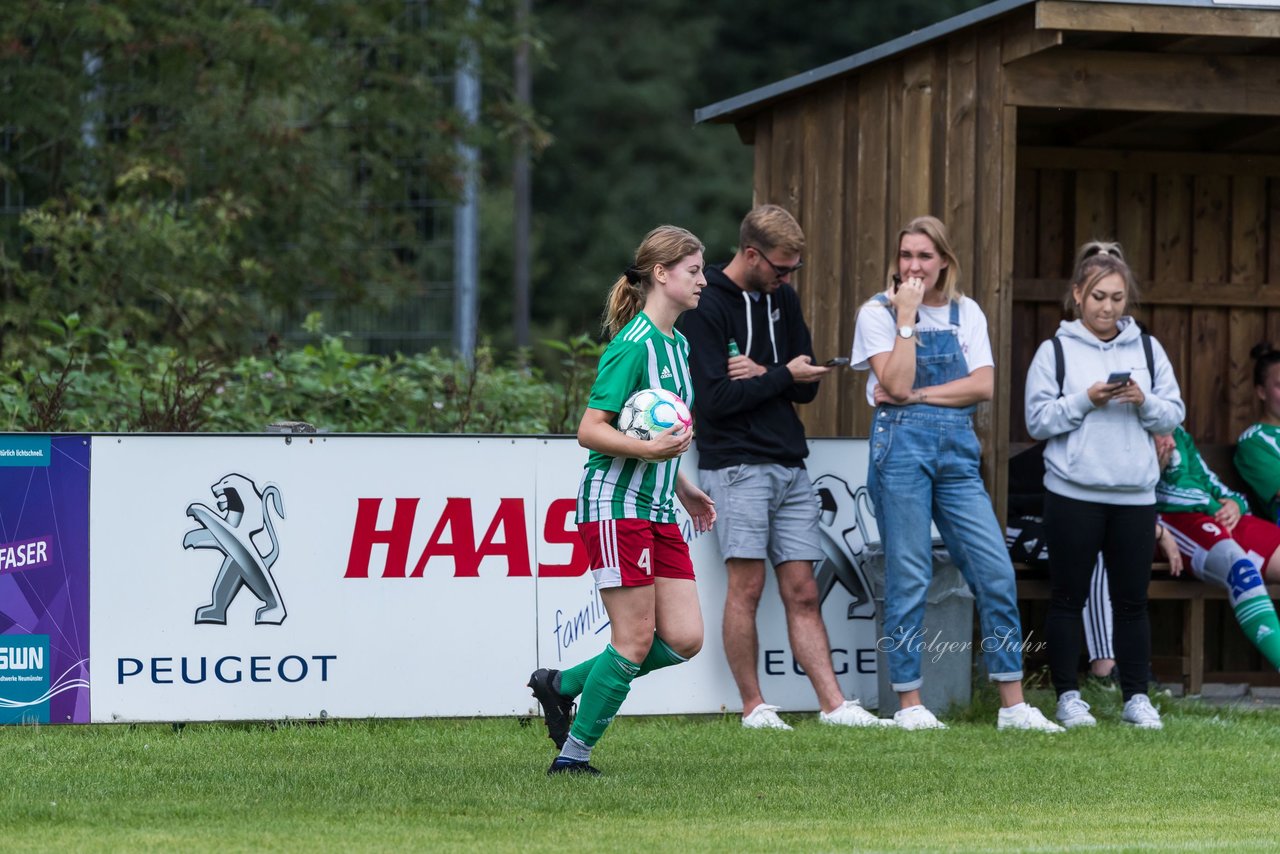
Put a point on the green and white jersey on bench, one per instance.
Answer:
(1188, 485)
(1258, 461)
(639, 356)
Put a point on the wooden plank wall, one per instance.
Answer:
(924, 133)
(1196, 242)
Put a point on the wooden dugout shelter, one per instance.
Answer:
(1029, 127)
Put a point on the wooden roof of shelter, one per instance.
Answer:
(1035, 125)
(1237, 29)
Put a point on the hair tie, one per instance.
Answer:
(634, 276)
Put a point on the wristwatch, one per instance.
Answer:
(906, 332)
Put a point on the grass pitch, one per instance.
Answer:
(1208, 780)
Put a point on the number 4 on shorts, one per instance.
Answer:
(645, 562)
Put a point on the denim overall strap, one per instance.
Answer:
(939, 359)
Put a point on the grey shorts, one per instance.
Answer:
(764, 511)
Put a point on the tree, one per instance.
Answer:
(618, 94)
(192, 172)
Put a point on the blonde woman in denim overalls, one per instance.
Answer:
(927, 348)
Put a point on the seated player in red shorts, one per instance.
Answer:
(1222, 543)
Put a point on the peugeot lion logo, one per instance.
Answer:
(846, 542)
(242, 512)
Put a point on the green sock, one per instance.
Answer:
(574, 679)
(660, 656)
(607, 686)
(1254, 610)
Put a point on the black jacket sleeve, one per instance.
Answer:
(716, 395)
(801, 345)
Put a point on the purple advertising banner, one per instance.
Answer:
(44, 579)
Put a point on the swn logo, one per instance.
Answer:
(242, 512)
(453, 537)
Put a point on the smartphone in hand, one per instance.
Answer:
(897, 282)
(1118, 378)
(837, 362)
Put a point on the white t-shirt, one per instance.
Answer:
(876, 330)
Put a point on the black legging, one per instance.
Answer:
(1075, 531)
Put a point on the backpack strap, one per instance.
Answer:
(1060, 363)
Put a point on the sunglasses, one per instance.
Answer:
(780, 272)
(1098, 250)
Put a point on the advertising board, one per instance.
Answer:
(271, 577)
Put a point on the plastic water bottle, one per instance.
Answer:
(733, 348)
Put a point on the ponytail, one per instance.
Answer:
(665, 245)
(626, 299)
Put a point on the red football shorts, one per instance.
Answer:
(1197, 533)
(633, 552)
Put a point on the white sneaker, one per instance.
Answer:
(851, 713)
(1072, 711)
(917, 717)
(1025, 716)
(764, 716)
(1139, 712)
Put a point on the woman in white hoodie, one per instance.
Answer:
(1098, 414)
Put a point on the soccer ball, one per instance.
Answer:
(650, 411)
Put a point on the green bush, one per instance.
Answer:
(82, 378)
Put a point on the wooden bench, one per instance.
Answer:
(1033, 586)
(1193, 594)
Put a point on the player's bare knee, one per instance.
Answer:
(686, 646)
(634, 649)
(632, 641)
(691, 649)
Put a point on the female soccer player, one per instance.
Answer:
(1206, 521)
(626, 516)
(1258, 448)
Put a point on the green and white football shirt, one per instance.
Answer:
(639, 356)
(1188, 485)
(1258, 461)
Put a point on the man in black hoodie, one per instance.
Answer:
(751, 357)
